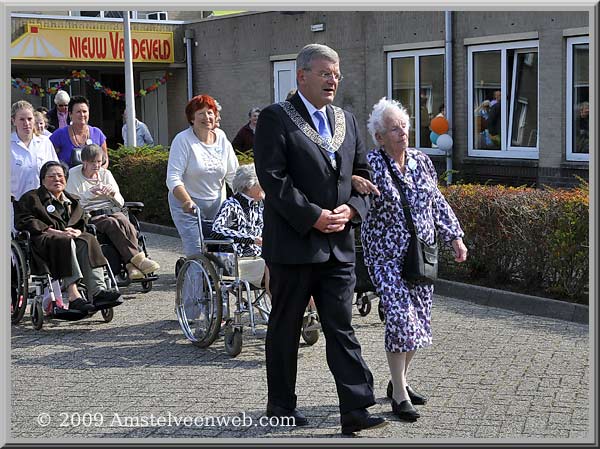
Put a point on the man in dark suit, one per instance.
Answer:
(306, 152)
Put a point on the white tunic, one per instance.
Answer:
(26, 162)
(199, 167)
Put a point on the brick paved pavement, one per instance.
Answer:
(491, 373)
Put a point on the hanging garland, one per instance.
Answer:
(31, 88)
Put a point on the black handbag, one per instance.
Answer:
(421, 261)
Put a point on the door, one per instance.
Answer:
(284, 77)
(154, 108)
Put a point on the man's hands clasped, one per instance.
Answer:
(334, 220)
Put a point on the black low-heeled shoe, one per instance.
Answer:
(405, 411)
(415, 397)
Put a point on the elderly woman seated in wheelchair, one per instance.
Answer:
(230, 264)
(59, 243)
(101, 198)
(240, 219)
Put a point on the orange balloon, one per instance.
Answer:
(439, 125)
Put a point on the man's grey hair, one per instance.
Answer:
(253, 110)
(381, 109)
(62, 97)
(244, 179)
(311, 52)
(91, 151)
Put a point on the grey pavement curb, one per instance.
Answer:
(527, 304)
(159, 229)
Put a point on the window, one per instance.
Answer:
(503, 95)
(158, 15)
(284, 79)
(578, 99)
(416, 79)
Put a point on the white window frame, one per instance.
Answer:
(506, 150)
(288, 65)
(570, 155)
(416, 54)
(160, 15)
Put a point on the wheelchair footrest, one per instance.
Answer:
(101, 305)
(149, 278)
(68, 315)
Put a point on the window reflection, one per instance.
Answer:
(403, 89)
(486, 95)
(581, 97)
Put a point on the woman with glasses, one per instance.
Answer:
(69, 140)
(59, 244)
(201, 160)
(407, 181)
(100, 196)
(58, 117)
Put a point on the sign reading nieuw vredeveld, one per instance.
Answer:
(62, 44)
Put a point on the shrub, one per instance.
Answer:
(533, 240)
(141, 173)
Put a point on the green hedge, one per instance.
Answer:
(141, 173)
(530, 240)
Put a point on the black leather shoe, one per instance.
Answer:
(104, 297)
(298, 418)
(415, 397)
(405, 411)
(81, 305)
(360, 419)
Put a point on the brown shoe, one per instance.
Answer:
(144, 264)
(133, 272)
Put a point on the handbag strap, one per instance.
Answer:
(404, 200)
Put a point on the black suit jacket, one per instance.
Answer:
(299, 182)
(52, 119)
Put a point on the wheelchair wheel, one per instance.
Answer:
(37, 315)
(146, 286)
(310, 337)
(233, 339)
(364, 305)
(178, 265)
(198, 302)
(107, 315)
(19, 283)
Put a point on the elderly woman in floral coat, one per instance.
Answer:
(385, 238)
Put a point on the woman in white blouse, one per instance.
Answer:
(28, 151)
(201, 160)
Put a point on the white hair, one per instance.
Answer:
(380, 111)
(245, 178)
(62, 97)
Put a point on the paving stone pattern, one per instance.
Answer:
(491, 373)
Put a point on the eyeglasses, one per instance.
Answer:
(62, 105)
(329, 75)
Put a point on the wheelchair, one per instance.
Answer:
(29, 289)
(117, 265)
(205, 285)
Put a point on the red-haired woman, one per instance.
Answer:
(201, 160)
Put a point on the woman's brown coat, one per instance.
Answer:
(52, 253)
